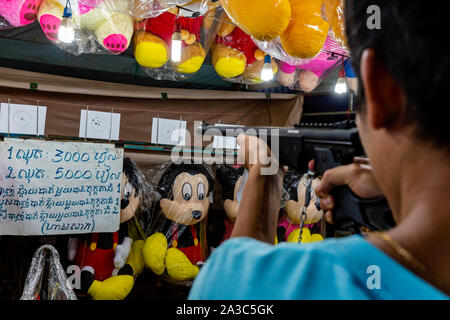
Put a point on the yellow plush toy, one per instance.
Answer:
(175, 36)
(307, 31)
(263, 19)
(234, 54)
(296, 24)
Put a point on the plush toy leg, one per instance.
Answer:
(316, 237)
(114, 288)
(179, 267)
(136, 259)
(115, 33)
(150, 51)
(154, 252)
(192, 58)
(306, 236)
(21, 12)
(50, 16)
(228, 62)
(87, 278)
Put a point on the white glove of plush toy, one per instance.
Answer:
(121, 253)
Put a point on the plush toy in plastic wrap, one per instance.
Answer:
(285, 29)
(18, 13)
(221, 225)
(46, 278)
(110, 262)
(308, 75)
(176, 246)
(102, 27)
(173, 45)
(297, 187)
(236, 57)
(334, 14)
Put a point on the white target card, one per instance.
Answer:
(99, 125)
(169, 132)
(22, 119)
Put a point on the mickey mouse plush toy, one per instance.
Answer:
(102, 256)
(177, 243)
(297, 186)
(221, 223)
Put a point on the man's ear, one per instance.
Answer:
(385, 98)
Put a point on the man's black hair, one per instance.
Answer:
(228, 177)
(413, 45)
(290, 184)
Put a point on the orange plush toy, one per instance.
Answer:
(282, 28)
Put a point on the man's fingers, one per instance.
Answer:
(329, 217)
(327, 203)
(311, 165)
(333, 178)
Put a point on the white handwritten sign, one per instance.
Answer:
(49, 188)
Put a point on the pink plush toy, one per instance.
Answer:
(19, 13)
(310, 73)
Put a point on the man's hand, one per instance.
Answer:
(359, 179)
(258, 211)
(255, 155)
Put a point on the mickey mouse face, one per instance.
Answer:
(294, 208)
(190, 202)
(129, 200)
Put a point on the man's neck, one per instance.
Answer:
(423, 209)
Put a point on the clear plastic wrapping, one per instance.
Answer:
(265, 20)
(176, 245)
(308, 74)
(295, 187)
(174, 45)
(285, 29)
(235, 56)
(334, 14)
(18, 13)
(141, 9)
(47, 258)
(104, 28)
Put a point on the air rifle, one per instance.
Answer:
(330, 145)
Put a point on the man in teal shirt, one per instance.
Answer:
(403, 74)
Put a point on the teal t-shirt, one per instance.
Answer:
(345, 268)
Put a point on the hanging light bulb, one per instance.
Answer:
(267, 72)
(341, 84)
(176, 47)
(66, 33)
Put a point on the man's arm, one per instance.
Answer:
(259, 208)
